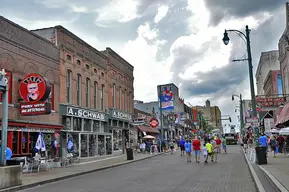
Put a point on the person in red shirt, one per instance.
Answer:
(218, 142)
(197, 149)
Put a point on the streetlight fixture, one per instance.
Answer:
(226, 41)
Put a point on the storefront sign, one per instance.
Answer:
(34, 90)
(84, 113)
(120, 115)
(154, 123)
(35, 108)
(35, 130)
(269, 103)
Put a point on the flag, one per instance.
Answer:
(40, 143)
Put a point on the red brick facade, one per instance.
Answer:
(22, 52)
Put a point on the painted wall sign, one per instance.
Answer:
(83, 113)
(35, 90)
(36, 108)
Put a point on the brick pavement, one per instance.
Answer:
(165, 173)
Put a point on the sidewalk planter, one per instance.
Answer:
(10, 176)
(261, 155)
(129, 154)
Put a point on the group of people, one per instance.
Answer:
(211, 147)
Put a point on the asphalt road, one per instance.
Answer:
(165, 173)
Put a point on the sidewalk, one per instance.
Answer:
(34, 179)
(278, 168)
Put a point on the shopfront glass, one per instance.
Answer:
(133, 138)
(117, 139)
(84, 145)
(75, 140)
(76, 124)
(92, 145)
(101, 145)
(108, 145)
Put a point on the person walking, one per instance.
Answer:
(182, 146)
(205, 153)
(273, 145)
(209, 147)
(224, 144)
(188, 148)
(172, 147)
(197, 148)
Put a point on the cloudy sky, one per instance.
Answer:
(167, 41)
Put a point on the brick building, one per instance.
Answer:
(21, 53)
(93, 110)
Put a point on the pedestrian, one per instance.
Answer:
(273, 145)
(197, 148)
(209, 147)
(215, 150)
(188, 148)
(205, 153)
(224, 144)
(172, 147)
(218, 142)
(182, 146)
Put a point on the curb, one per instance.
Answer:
(257, 182)
(22, 187)
(274, 180)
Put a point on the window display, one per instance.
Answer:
(96, 126)
(87, 125)
(120, 140)
(84, 143)
(75, 140)
(101, 146)
(108, 145)
(76, 124)
(92, 145)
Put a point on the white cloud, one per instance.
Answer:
(162, 12)
(80, 9)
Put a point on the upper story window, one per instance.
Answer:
(113, 95)
(102, 97)
(95, 95)
(68, 86)
(102, 74)
(68, 57)
(51, 96)
(125, 101)
(78, 62)
(87, 92)
(78, 90)
(86, 66)
(119, 98)
(95, 71)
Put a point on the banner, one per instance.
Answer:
(166, 97)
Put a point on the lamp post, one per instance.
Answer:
(161, 113)
(241, 111)
(226, 40)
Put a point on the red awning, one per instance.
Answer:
(148, 129)
(284, 115)
(33, 125)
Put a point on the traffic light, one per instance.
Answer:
(230, 119)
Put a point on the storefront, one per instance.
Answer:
(88, 130)
(124, 134)
(22, 137)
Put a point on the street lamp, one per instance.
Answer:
(226, 41)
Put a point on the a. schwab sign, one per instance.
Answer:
(120, 115)
(83, 113)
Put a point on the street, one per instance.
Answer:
(164, 173)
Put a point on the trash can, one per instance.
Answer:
(261, 155)
(129, 154)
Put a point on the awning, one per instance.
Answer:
(147, 129)
(284, 116)
(277, 114)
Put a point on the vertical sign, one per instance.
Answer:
(166, 97)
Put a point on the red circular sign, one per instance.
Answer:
(34, 87)
(154, 123)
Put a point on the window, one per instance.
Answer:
(68, 86)
(125, 101)
(68, 57)
(102, 97)
(87, 66)
(51, 96)
(78, 90)
(95, 94)
(119, 98)
(113, 96)
(286, 81)
(78, 62)
(87, 98)
(129, 102)
(102, 74)
(95, 71)
(9, 77)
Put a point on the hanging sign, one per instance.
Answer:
(154, 123)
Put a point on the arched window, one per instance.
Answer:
(68, 86)
(125, 101)
(87, 92)
(113, 95)
(102, 97)
(95, 95)
(78, 90)
(119, 98)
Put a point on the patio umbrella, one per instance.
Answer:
(284, 131)
(149, 137)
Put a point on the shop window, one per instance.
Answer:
(96, 126)
(92, 145)
(84, 145)
(68, 86)
(101, 148)
(76, 124)
(21, 143)
(51, 96)
(9, 77)
(108, 144)
(95, 95)
(78, 90)
(87, 125)
(87, 92)
(75, 140)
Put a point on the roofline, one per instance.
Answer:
(28, 31)
(121, 58)
(259, 66)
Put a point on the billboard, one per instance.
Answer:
(166, 97)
